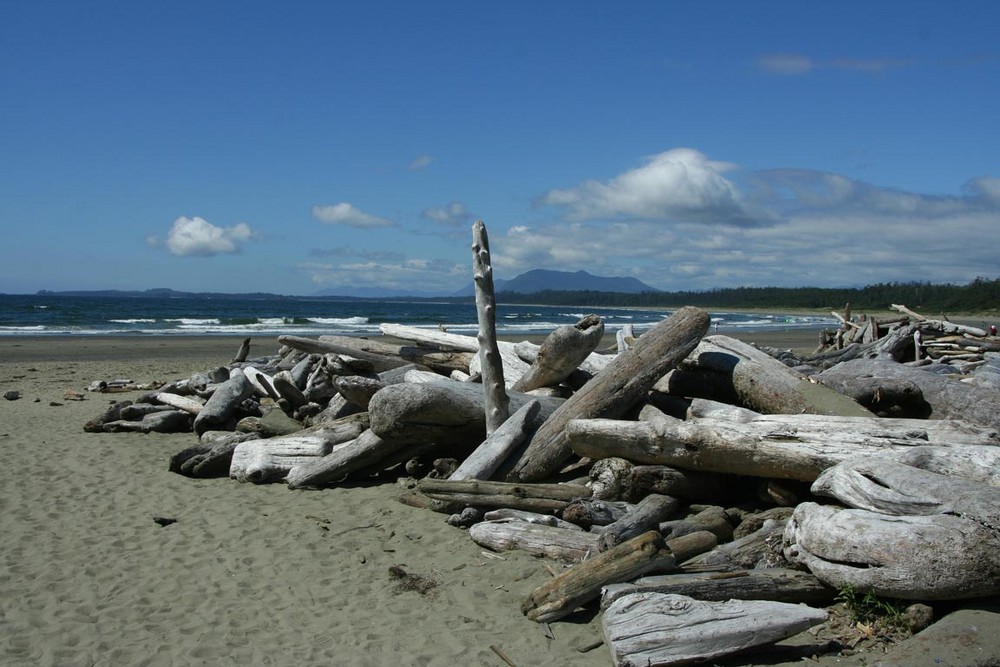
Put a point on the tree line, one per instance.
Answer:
(980, 295)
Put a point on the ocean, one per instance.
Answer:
(50, 314)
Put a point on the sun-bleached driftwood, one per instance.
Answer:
(262, 382)
(617, 388)
(224, 403)
(546, 498)
(911, 533)
(530, 517)
(665, 629)
(948, 398)
(513, 366)
(448, 412)
(211, 456)
(242, 352)
(589, 512)
(185, 403)
(777, 584)
(288, 391)
(647, 514)
(706, 408)
(438, 361)
(270, 459)
(778, 446)
(616, 478)
(500, 444)
(759, 549)
(166, 421)
(884, 396)
(496, 403)
(752, 379)
(365, 450)
(580, 584)
(594, 363)
(944, 325)
(380, 362)
(568, 546)
(713, 519)
(358, 389)
(561, 353)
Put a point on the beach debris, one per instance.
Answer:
(12, 394)
(163, 520)
(673, 471)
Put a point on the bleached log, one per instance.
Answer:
(269, 460)
(499, 445)
(619, 386)
(568, 546)
(664, 629)
(437, 361)
(712, 518)
(262, 382)
(594, 363)
(616, 478)
(530, 517)
(288, 390)
(380, 362)
(943, 325)
(758, 381)
(948, 398)
(365, 450)
(935, 557)
(224, 402)
(776, 584)
(357, 389)
(580, 584)
(778, 446)
(760, 549)
(494, 392)
(242, 352)
(211, 456)
(545, 498)
(561, 353)
(185, 403)
(645, 516)
(448, 412)
(416, 376)
(167, 421)
(513, 366)
(707, 408)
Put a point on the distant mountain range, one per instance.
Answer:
(531, 282)
(540, 280)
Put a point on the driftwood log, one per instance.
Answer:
(744, 375)
(567, 546)
(545, 498)
(499, 445)
(364, 451)
(919, 535)
(561, 353)
(780, 446)
(665, 629)
(646, 515)
(496, 403)
(443, 362)
(224, 403)
(612, 392)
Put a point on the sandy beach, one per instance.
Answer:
(248, 575)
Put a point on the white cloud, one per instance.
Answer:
(197, 237)
(453, 214)
(680, 184)
(420, 162)
(346, 214)
(795, 64)
(785, 63)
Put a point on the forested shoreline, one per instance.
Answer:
(980, 295)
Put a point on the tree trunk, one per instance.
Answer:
(365, 450)
(224, 402)
(619, 386)
(498, 446)
(567, 546)
(561, 353)
(646, 516)
(496, 403)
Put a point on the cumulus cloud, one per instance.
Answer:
(680, 184)
(420, 162)
(346, 214)
(199, 238)
(453, 214)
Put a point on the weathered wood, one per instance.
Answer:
(269, 460)
(664, 629)
(713, 519)
(224, 403)
(530, 517)
(948, 398)
(617, 388)
(759, 549)
(568, 546)
(565, 492)
(779, 446)
(589, 512)
(288, 390)
(211, 456)
(594, 363)
(167, 421)
(759, 381)
(580, 584)
(380, 362)
(365, 450)
(496, 402)
(185, 403)
(499, 445)
(943, 325)
(357, 389)
(647, 515)
(437, 361)
(561, 353)
(448, 412)
(262, 382)
(777, 584)
(891, 397)
(242, 352)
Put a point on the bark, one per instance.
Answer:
(664, 629)
(496, 403)
(618, 387)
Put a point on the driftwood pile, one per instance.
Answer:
(706, 496)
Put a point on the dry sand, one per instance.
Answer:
(248, 575)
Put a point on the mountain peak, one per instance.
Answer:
(540, 280)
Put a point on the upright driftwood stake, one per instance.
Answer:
(497, 409)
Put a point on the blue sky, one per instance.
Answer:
(294, 147)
